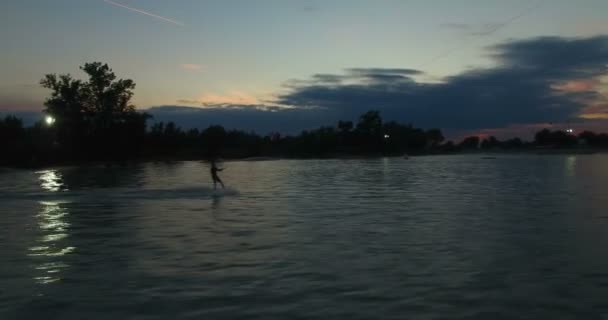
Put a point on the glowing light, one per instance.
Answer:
(570, 130)
(386, 136)
(49, 120)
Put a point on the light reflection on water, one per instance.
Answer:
(570, 165)
(51, 180)
(52, 244)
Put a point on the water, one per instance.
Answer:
(444, 237)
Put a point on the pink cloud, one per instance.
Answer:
(192, 67)
(235, 99)
(215, 100)
(524, 131)
(595, 111)
(597, 106)
(580, 85)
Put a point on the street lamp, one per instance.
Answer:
(49, 120)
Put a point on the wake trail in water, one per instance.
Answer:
(95, 195)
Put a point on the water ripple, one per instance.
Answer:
(450, 237)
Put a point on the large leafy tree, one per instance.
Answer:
(471, 142)
(434, 137)
(370, 123)
(97, 111)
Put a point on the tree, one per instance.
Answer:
(11, 128)
(470, 142)
(214, 138)
(107, 100)
(543, 137)
(94, 116)
(490, 143)
(345, 126)
(434, 137)
(370, 123)
(369, 131)
(588, 137)
(67, 105)
(560, 138)
(448, 146)
(12, 140)
(513, 143)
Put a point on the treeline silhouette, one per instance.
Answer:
(368, 136)
(93, 120)
(44, 144)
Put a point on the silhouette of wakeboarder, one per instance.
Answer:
(214, 176)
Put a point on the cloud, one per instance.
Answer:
(457, 26)
(261, 119)
(531, 83)
(237, 98)
(356, 75)
(192, 67)
(534, 82)
(310, 9)
(556, 56)
(598, 110)
(582, 85)
(309, 6)
(476, 29)
(384, 71)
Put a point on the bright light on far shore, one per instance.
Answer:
(386, 136)
(570, 130)
(49, 120)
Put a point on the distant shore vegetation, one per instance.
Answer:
(94, 120)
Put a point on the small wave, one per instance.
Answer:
(178, 193)
(194, 192)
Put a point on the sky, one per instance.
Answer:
(466, 66)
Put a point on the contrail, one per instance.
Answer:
(146, 13)
(490, 31)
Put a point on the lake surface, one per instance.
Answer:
(442, 237)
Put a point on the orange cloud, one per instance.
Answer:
(586, 26)
(597, 107)
(596, 111)
(192, 67)
(594, 116)
(580, 85)
(236, 99)
(232, 98)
